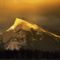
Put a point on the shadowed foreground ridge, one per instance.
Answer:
(23, 34)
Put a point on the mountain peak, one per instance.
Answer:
(22, 24)
(23, 34)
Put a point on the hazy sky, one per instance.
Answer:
(49, 12)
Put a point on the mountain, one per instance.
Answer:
(23, 34)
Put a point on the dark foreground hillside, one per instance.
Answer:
(29, 45)
(33, 40)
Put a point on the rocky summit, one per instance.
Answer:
(23, 34)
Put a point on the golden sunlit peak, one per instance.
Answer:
(19, 23)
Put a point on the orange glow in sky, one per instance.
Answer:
(28, 4)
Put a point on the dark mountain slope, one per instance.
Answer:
(29, 36)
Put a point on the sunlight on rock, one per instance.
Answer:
(24, 34)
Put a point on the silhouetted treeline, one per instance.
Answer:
(29, 54)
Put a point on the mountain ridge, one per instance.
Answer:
(23, 34)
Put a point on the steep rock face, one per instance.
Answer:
(29, 36)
